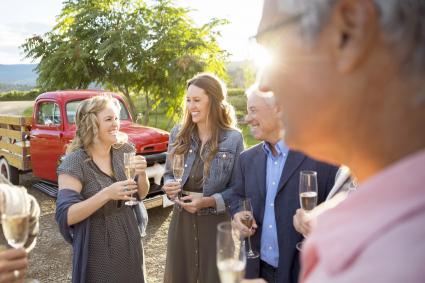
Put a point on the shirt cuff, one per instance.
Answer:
(220, 207)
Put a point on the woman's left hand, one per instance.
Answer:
(192, 204)
(140, 165)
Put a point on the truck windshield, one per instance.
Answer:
(71, 109)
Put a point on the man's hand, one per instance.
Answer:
(303, 222)
(13, 265)
(238, 224)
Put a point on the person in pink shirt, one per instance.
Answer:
(349, 76)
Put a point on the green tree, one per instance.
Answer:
(144, 49)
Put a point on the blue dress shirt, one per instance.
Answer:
(275, 164)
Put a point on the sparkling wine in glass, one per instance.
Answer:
(308, 190)
(231, 257)
(129, 171)
(178, 169)
(16, 229)
(248, 219)
(308, 193)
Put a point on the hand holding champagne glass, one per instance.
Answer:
(308, 193)
(178, 170)
(129, 168)
(231, 258)
(19, 214)
(247, 218)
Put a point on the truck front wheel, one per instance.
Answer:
(9, 172)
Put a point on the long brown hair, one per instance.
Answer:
(221, 116)
(87, 123)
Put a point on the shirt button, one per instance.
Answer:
(275, 163)
(270, 248)
(190, 150)
(185, 165)
(273, 183)
(270, 226)
(272, 204)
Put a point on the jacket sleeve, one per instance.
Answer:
(224, 198)
(168, 174)
(77, 235)
(236, 191)
(65, 199)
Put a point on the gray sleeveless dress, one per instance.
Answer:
(115, 246)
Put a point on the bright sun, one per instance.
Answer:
(260, 56)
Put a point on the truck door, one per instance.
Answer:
(46, 140)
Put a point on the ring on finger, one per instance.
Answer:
(16, 273)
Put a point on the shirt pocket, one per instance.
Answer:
(222, 165)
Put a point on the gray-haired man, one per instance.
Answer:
(349, 76)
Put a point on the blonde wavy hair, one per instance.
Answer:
(88, 125)
(221, 116)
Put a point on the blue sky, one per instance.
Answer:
(20, 19)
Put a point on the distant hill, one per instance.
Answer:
(24, 77)
(22, 74)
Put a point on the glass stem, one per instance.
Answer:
(249, 245)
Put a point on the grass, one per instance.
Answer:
(28, 112)
(248, 138)
(160, 121)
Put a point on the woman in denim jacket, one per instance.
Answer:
(210, 144)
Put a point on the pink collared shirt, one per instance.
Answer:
(376, 235)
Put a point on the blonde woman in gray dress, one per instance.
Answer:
(93, 186)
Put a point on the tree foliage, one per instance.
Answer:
(144, 49)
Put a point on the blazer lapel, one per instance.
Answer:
(259, 164)
(293, 161)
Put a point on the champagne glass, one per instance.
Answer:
(129, 171)
(15, 218)
(18, 212)
(308, 193)
(231, 258)
(248, 219)
(16, 228)
(178, 170)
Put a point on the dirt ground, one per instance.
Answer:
(50, 261)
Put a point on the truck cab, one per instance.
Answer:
(53, 127)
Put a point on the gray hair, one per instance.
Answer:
(268, 96)
(402, 21)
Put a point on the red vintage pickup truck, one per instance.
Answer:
(38, 143)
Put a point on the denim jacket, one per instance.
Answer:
(221, 169)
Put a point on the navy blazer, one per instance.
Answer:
(249, 180)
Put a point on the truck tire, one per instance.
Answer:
(9, 172)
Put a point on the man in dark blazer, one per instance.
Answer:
(268, 174)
